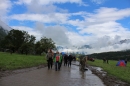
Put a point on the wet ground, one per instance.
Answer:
(67, 76)
(107, 79)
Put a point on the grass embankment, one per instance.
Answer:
(17, 61)
(121, 73)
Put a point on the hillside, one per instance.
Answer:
(115, 55)
(3, 33)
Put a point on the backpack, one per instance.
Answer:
(57, 58)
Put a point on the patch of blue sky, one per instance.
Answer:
(72, 28)
(76, 30)
(125, 22)
(22, 23)
(75, 17)
(17, 9)
(13, 23)
(120, 4)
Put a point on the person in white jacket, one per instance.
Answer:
(49, 57)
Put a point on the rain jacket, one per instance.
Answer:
(60, 59)
(49, 55)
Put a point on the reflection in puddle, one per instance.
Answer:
(100, 70)
(76, 73)
(86, 76)
(82, 75)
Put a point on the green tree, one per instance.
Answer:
(18, 40)
(15, 38)
(38, 48)
(44, 44)
(28, 45)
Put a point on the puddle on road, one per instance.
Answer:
(98, 69)
(87, 75)
(75, 73)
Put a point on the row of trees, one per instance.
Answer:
(24, 43)
(115, 55)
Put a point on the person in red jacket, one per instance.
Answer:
(57, 60)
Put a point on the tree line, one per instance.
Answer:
(24, 43)
(115, 55)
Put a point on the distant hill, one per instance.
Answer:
(125, 41)
(3, 33)
(4, 29)
(112, 55)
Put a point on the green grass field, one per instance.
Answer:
(121, 73)
(17, 61)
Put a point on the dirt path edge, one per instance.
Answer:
(107, 79)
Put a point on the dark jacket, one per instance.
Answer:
(70, 58)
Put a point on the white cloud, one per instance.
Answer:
(110, 14)
(45, 18)
(47, 6)
(34, 7)
(5, 6)
(46, 2)
(103, 22)
(101, 15)
(76, 39)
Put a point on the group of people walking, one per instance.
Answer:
(68, 60)
(57, 58)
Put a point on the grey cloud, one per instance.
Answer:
(36, 7)
(107, 41)
(39, 26)
(57, 33)
(101, 42)
(116, 46)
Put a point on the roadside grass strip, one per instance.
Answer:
(121, 73)
(18, 61)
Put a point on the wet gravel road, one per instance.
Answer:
(67, 76)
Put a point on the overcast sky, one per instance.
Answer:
(99, 23)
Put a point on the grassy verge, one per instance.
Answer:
(121, 73)
(17, 61)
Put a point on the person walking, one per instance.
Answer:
(60, 62)
(70, 58)
(83, 63)
(65, 59)
(57, 61)
(126, 61)
(49, 57)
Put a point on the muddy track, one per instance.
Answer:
(11, 72)
(107, 79)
